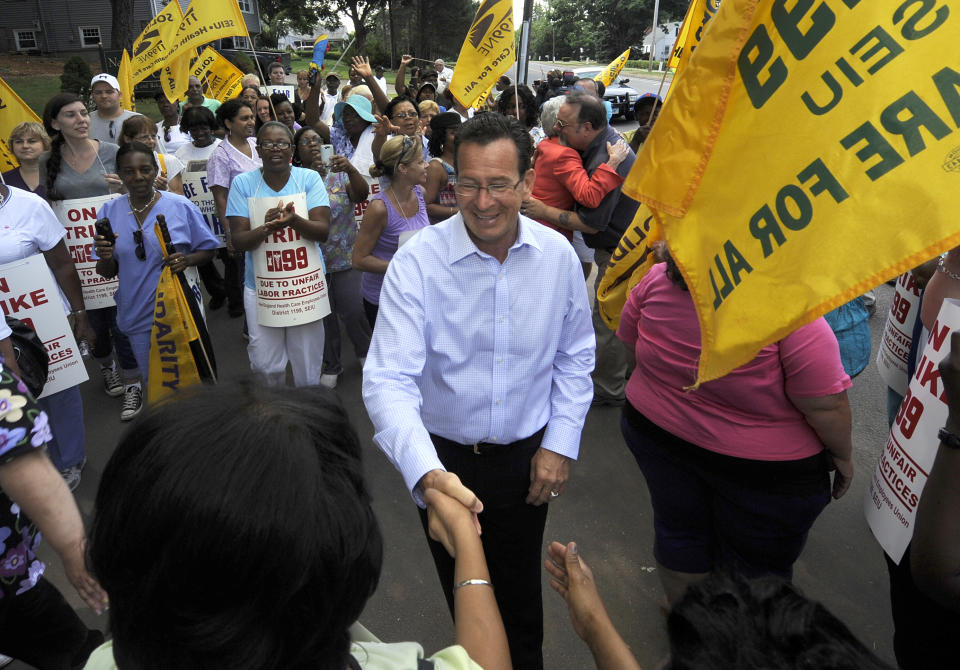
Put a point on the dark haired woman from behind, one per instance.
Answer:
(201, 573)
(441, 176)
(738, 468)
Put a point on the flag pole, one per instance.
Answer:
(657, 99)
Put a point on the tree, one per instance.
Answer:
(279, 17)
(123, 32)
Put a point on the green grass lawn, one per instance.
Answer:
(36, 90)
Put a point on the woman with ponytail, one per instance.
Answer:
(397, 210)
(80, 167)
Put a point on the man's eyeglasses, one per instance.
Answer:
(270, 146)
(467, 190)
(562, 124)
(140, 251)
(405, 115)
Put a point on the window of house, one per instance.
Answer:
(89, 36)
(240, 42)
(26, 39)
(246, 6)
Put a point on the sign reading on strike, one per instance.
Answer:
(288, 271)
(77, 217)
(890, 501)
(898, 333)
(28, 293)
(197, 189)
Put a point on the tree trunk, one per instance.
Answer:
(122, 33)
(393, 38)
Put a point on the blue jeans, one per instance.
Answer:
(65, 411)
(104, 324)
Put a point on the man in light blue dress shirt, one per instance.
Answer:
(478, 376)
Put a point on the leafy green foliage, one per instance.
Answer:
(76, 76)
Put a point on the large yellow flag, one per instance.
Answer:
(487, 52)
(694, 23)
(125, 77)
(609, 74)
(206, 21)
(175, 76)
(808, 154)
(13, 111)
(222, 77)
(150, 49)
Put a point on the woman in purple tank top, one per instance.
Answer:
(396, 210)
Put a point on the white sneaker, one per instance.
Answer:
(5, 661)
(328, 381)
(132, 402)
(111, 381)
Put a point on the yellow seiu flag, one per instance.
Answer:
(173, 363)
(13, 111)
(149, 51)
(125, 77)
(629, 262)
(221, 77)
(691, 31)
(807, 155)
(487, 52)
(205, 21)
(175, 77)
(609, 73)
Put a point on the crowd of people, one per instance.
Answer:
(456, 246)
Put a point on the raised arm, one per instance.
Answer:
(399, 85)
(362, 65)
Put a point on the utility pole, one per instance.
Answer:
(653, 34)
(524, 55)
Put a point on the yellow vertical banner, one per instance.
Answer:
(205, 21)
(808, 154)
(149, 50)
(487, 52)
(609, 73)
(175, 76)
(220, 76)
(629, 262)
(125, 77)
(13, 111)
(691, 32)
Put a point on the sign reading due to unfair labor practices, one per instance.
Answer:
(487, 52)
(78, 216)
(794, 146)
(894, 347)
(29, 293)
(288, 271)
(890, 501)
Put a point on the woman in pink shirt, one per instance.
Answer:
(738, 469)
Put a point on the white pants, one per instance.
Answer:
(271, 348)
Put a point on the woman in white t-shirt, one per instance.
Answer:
(30, 227)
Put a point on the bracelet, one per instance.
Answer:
(78, 311)
(472, 582)
(948, 438)
(942, 267)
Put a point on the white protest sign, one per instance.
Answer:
(78, 216)
(898, 333)
(197, 189)
(288, 270)
(29, 293)
(890, 501)
(283, 89)
(360, 208)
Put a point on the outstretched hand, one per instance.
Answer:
(384, 127)
(449, 521)
(450, 485)
(573, 580)
(362, 65)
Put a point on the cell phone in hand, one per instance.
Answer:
(104, 229)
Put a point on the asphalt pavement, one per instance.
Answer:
(606, 509)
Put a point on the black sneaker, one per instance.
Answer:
(132, 402)
(111, 381)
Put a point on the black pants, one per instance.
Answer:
(923, 630)
(512, 538)
(40, 628)
(371, 311)
(229, 286)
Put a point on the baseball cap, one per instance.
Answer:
(104, 77)
(333, 75)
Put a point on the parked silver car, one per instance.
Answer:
(621, 96)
